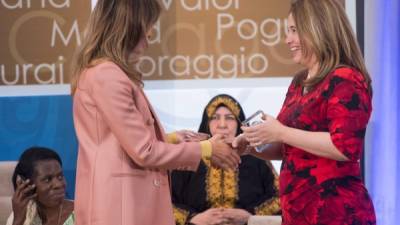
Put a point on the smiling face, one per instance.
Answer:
(293, 40)
(296, 47)
(50, 183)
(223, 122)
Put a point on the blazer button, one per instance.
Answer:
(156, 182)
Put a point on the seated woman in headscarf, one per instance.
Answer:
(215, 196)
(39, 185)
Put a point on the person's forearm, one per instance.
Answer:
(272, 152)
(317, 143)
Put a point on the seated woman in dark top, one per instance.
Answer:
(214, 196)
(39, 184)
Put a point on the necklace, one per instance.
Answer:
(60, 213)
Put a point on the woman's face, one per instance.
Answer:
(141, 47)
(223, 122)
(293, 41)
(50, 183)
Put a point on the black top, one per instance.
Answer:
(254, 189)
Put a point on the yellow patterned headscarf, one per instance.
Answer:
(212, 106)
(222, 100)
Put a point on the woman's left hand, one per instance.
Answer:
(269, 131)
(236, 216)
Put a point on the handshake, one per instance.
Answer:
(224, 154)
(225, 151)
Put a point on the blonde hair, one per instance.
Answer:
(325, 31)
(114, 29)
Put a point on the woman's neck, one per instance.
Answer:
(51, 212)
(312, 70)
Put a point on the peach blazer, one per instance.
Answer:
(123, 159)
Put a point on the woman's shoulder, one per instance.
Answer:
(346, 79)
(70, 220)
(103, 69)
(347, 73)
(108, 73)
(100, 72)
(69, 205)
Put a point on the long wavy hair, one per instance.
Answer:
(325, 31)
(114, 29)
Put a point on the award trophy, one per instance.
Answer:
(253, 120)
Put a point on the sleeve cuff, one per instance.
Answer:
(206, 150)
(181, 216)
(270, 207)
(172, 138)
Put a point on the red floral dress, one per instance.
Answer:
(318, 190)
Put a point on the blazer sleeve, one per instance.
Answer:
(113, 94)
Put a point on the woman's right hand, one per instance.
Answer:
(22, 195)
(223, 155)
(270, 131)
(213, 216)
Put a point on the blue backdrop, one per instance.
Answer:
(39, 121)
(384, 171)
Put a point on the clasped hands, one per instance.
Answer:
(227, 151)
(221, 216)
(223, 155)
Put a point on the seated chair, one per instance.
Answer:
(6, 189)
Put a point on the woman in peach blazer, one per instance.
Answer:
(123, 158)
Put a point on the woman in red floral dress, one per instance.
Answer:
(320, 130)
